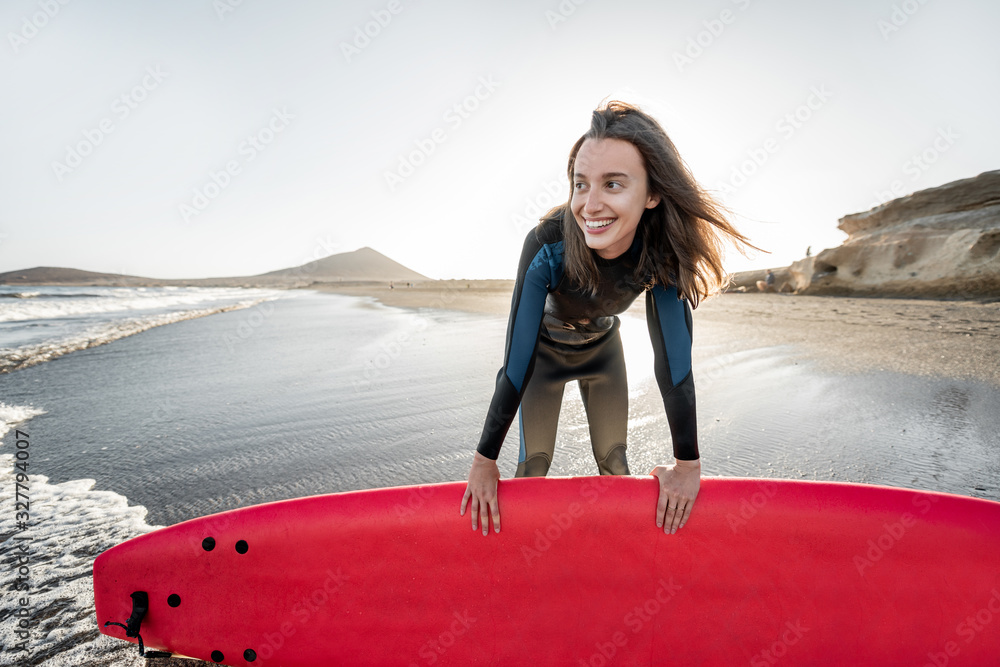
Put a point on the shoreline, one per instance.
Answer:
(485, 297)
(845, 334)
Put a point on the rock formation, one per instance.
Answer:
(938, 242)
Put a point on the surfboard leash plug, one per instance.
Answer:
(140, 605)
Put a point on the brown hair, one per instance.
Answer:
(682, 236)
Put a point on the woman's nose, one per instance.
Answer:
(594, 202)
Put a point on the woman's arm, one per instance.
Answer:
(670, 330)
(539, 267)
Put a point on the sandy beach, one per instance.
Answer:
(489, 297)
(932, 338)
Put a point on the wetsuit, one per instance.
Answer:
(559, 332)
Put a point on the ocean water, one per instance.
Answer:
(301, 393)
(38, 324)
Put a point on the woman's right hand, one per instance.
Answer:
(482, 490)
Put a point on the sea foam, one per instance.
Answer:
(70, 524)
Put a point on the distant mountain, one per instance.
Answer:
(363, 265)
(54, 275)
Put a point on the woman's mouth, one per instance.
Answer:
(598, 225)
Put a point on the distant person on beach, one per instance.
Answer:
(766, 285)
(636, 222)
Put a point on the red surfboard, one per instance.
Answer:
(766, 571)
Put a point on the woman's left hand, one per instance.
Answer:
(679, 486)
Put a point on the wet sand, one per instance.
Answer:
(932, 338)
(490, 297)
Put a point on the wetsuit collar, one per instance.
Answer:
(632, 254)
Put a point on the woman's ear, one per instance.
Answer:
(653, 201)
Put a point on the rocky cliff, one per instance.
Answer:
(939, 242)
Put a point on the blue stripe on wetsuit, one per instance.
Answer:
(544, 271)
(671, 313)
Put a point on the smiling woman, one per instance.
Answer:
(636, 222)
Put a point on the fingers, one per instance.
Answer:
(687, 514)
(661, 507)
(670, 516)
(465, 500)
(486, 510)
(676, 515)
(495, 511)
(480, 511)
(474, 511)
(678, 490)
(484, 518)
(672, 510)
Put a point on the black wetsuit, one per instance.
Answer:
(558, 332)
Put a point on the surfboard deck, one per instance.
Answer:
(765, 571)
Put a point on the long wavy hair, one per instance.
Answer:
(682, 236)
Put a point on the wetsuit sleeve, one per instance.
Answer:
(537, 270)
(670, 329)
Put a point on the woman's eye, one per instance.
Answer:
(614, 185)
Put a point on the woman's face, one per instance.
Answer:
(609, 194)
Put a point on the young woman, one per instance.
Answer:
(636, 222)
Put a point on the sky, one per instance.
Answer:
(206, 138)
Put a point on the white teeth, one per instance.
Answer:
(597, 224)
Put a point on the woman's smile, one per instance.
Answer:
(598, 225)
